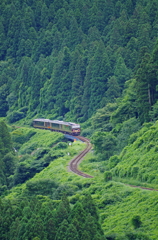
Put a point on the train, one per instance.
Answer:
(58, 126)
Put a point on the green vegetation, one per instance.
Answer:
(93, 62)
(123, 212)
(69, 59)
(134, 164)
(38, 218)
(8, 158)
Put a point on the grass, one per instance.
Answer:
(117, 203)
(138, 161)
(57, 170)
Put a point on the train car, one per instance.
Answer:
(56, 125)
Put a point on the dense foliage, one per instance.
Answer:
(124, 213)
(8, 158)
(93, 62)
(45, 219)
(68, 58)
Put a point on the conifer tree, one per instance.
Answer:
(14, 229)
(61, 233)
(2, 41)
(9, 164)
(78, 213)
(85, 235)
(90, 226)
(89, 206)
(78, 225)
(121, 72)
(61, 214)
(71, 233)
(7, 157)
(66, 202)
(6, 139)
(113, 90)
(2, 167)
(143, 90)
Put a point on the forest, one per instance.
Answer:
(95, 63)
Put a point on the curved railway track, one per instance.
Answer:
(73, 165)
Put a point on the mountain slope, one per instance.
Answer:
(60, 59)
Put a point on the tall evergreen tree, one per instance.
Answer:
(121, 72)
(71, 233)
(61, 233)
(143, 89)
(113, 90)
(89, 206)
(61, 214)
(5, 138)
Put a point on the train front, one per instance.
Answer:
(76, 129)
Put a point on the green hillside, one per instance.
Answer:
(139, 159)
(93, 62)
(66, 59)
(124, 212)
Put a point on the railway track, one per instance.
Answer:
(144, 188)
(73, 165)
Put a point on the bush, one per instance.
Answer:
(113, 161)
(41, 186)
(37, 166)
(92, 159)
(60, 145)
(135, 171)
(136, 221)
(23, 109)
(87, 132)
(20, 136)
(40, 152)
(69, 190)
(107, 176)
(26, 157)
(15, 116)
(137, 236)
(22, 173)
(109, 199)
(30, 147)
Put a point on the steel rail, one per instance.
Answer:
(73, 165)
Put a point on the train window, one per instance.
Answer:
(55, 125)
(39, 123)
(47, 124)
(66, 128)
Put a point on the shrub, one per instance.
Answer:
(29, 148)
(15, 116)
(136, 221)
(107, 176)
(135, 171)
(22, 173)
(67, 189)
(20, 136)
(60, 145)
(109, 199)
(87, 132)
(92, 159)
(40, 152)
(113, 161)
(37, 166)
(26, 157)
(23, 109)
(136, 236)
(41, 186)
